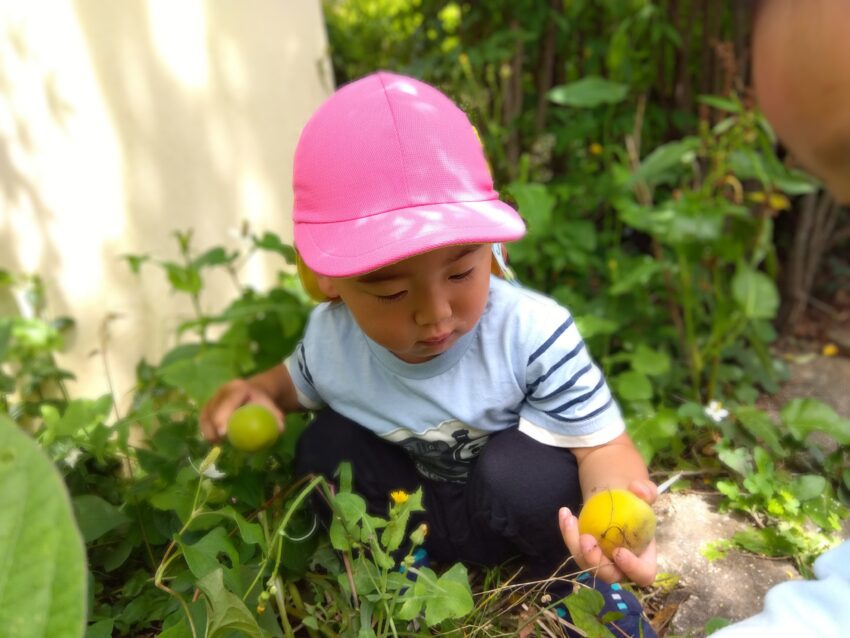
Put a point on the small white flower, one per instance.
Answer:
(212, 472)
(716, 412)
(72, 457)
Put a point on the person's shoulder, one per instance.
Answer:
(331, 317)
(517, 303)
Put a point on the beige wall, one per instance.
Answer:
(122, 121)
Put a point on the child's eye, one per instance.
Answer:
(393, 297)
(462, 276)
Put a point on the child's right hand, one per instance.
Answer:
(233, 394)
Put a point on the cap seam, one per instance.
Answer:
(391, 210)
(397, 136)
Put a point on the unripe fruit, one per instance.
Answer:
(617, 518)
(252, 427)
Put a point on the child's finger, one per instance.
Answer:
(645, 489)
(569, 530)
(639, 569)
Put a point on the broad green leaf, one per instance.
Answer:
(721, 103)
(761, 427)
(182, 278)
(589, 92)
(633, 386)
(650, 362)
(451, 596)
(202, 557)
(535, 204)
(42, 557)
(271, 242)
(101, 629)
(636, 274)
(755, 293)
(808, 486)
(592, 325)
(96, 517)
(217, 256)
(201, 375)
(654, 432)
(654, 167)
(227, 612)
(804, 416)
(585, 604)
(738, 459)
(79, 414)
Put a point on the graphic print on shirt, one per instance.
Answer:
(444, 452)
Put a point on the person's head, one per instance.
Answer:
(801, 68)
(395, 213)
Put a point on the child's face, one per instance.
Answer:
(417, 308)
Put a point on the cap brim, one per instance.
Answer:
(354, 247)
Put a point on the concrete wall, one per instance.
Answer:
(123, 121)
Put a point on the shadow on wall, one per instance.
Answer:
(126, 121)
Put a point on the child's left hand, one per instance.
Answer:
(626, 565)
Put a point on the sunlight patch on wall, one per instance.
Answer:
(179, 34)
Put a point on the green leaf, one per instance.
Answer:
(227, 612)
(808, 486)
(654, 167)
(451, 596)
(101, 629)
(80, 414)
(589, 92)
(715, 623)
(804, 416)
(183, 278)
(271, 242)
(217, 256)
(584, 606)
(761, 427)
(738, 459)
(202, 557)
(654, 432)
(42, 557)
(635, 275)
(96, 517)
(535, 204)
(721, 103)
(633, 386)
(650, 362)
(201, 375)
(592, 325)
(755, 293)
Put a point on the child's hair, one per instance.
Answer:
(388, 168)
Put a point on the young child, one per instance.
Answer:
(423, 367)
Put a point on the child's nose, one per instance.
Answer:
(432, 308)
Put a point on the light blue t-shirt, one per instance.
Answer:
(523, 364)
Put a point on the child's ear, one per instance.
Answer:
(327, 286)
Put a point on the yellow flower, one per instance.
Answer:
(829, 350)
(778, 201)
(595, 148)
(758, 197)
(399, 496)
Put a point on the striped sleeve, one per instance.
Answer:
(298, 369)
(568, 402)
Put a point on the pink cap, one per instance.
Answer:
(387, 168)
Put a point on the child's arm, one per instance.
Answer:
(616, 464)
(273, 389)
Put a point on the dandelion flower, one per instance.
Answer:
(399, 496)
(829, 350)
(595, 148)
